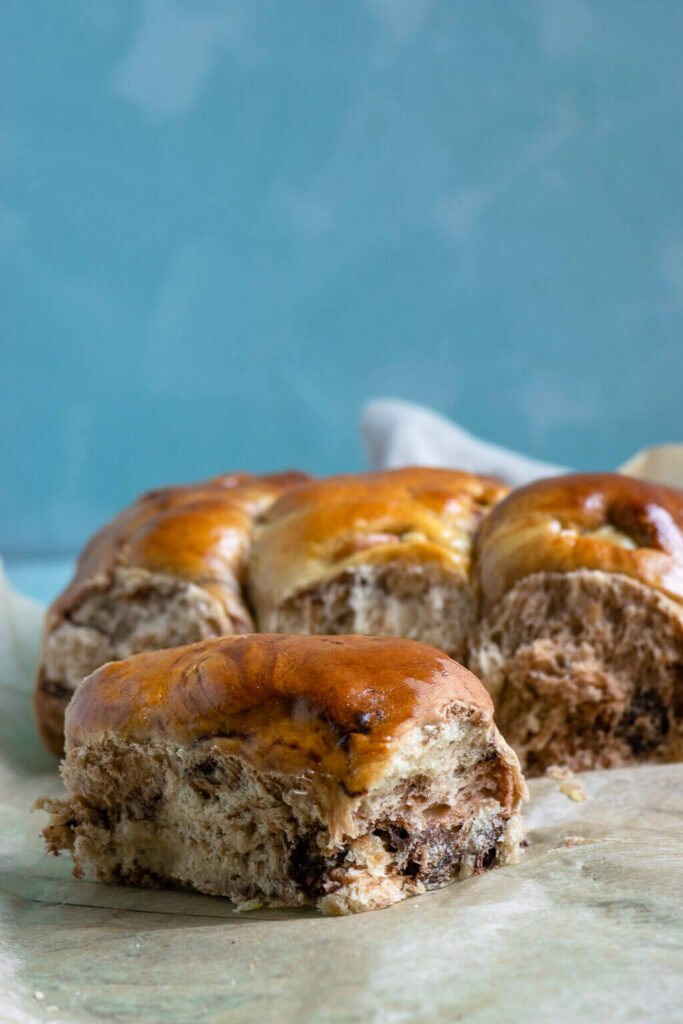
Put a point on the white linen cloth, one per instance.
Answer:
(397, 433)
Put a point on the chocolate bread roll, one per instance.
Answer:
(341, 772)
(378, 553)
(168, 570)
(581, 638)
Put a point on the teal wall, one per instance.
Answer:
(225, 225)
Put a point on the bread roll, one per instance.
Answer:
(581, 640)
(345, 773)
(384, 553)
(168, 570)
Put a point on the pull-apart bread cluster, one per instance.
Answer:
(343, 772)
(386, 553)
(580, 643)
(565, 597)
(168, 570)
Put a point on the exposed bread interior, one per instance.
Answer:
(580, 642)
(168, 570)
(343, 773)
(384, 553)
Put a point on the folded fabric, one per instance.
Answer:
(21, 623)
(397, 433)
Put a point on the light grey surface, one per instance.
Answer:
(579, 933)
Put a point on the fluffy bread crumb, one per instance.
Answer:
(155, 814)
(418, 602)
(585, 669)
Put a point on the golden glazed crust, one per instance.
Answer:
(415, 515)
(599, 521)
(336, 707)
(196, 534)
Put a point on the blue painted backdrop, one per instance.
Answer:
(225, 225)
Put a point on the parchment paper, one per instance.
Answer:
(577, 932)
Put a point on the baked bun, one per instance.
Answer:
(581, 641)
(168, 570)
(384, 553)
(346, 773)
